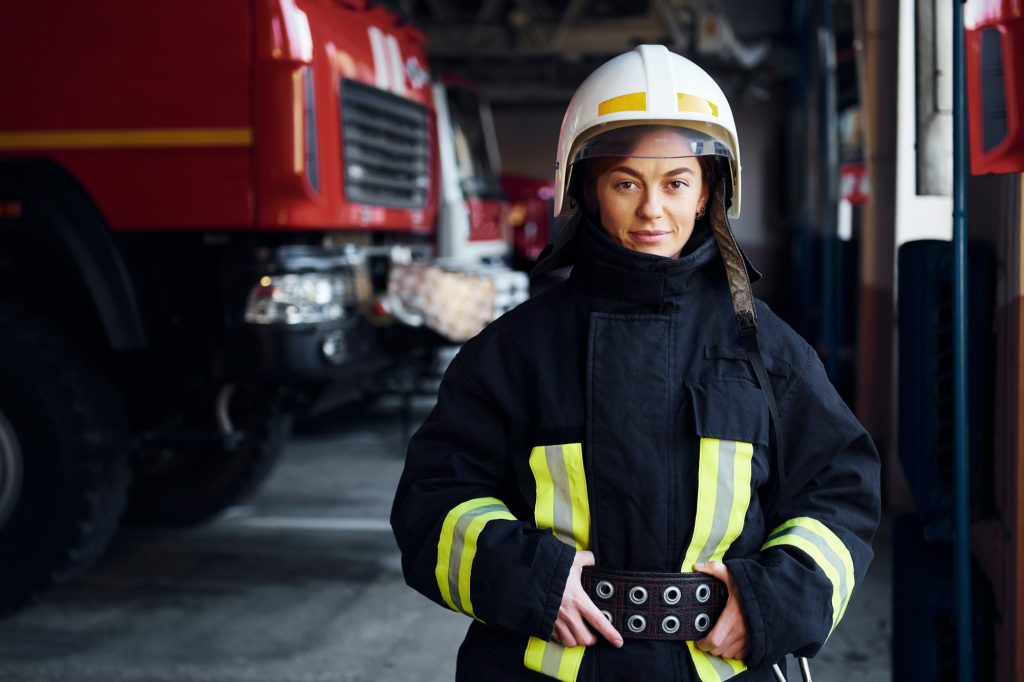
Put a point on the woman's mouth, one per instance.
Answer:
(649, 236)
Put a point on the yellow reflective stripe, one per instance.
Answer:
(827, 550)
(544, 509)
(132, 138)
(741, 461)
(695, 105)
(826, 566)
(712, 668)
(534, 657)
(562, 505)
(707, 490)
(573, 453)
(553, 659)
(456, 548)
(723, 497)
(562, 497)
(634, 101)
(562, 502)
(572, 659)
(469, 553)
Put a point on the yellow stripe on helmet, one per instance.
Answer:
(634, 101)
(695, 105)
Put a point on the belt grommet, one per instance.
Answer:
(670, 624)
(672, 594)
(605, 589)
(703, 593)
(701, 622)
(636, 623)
(637, 594)
(607, 615)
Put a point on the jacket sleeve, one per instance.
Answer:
(462, 545)
(818, 545)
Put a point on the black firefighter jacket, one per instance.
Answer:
(618, 412)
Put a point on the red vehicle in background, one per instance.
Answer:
(530, 217)
(473, 211)
(469, 283)
(198, 205)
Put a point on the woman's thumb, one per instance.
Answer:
(584, 558)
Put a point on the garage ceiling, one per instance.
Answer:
(535, 52)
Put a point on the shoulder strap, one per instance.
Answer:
(743, 307)
(748, 332)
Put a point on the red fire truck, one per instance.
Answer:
(198, 202)
(533, 228)
(472, 206)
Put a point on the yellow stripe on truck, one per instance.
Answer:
(132, 138)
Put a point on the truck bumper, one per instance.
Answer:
(297, 317)
(307, 353)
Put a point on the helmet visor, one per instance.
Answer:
(652, 142)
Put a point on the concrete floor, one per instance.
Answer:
(303, 584)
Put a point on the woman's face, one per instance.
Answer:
(651, 204)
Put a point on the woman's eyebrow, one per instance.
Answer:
(636, 174)
(627, 170)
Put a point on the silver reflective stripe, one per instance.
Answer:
(552, 660)
(723, 499)
(827, 552)
(722, 503)
(723, 669)
(458, 543)
(561, 494)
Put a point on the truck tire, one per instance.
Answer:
(189, 483)
(63, 459)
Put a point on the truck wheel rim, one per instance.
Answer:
(10, 469)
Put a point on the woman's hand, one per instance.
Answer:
(577, 610)
(728, 638)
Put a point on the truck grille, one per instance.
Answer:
(385, 147)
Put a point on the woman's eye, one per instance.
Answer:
(677, 184)
(627, 185)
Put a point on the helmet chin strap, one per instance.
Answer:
(746, 317)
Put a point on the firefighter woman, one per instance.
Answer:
(642, 473)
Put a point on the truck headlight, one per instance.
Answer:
(307, 298)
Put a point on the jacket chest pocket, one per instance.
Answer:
(730, 418)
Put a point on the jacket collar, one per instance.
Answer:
(609, 270)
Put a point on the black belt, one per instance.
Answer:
(645, 605)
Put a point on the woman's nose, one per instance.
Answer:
(650, 207)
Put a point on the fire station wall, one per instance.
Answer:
(996, 224)
(528, 136)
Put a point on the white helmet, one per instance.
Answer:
(648, 86)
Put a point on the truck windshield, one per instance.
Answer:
(472, 133)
